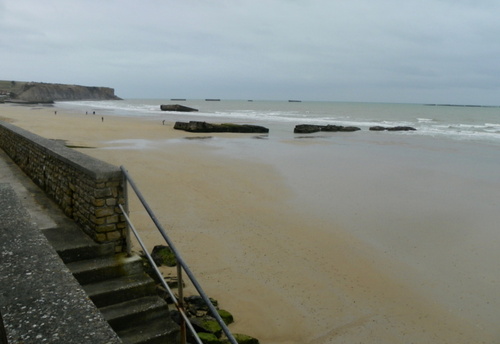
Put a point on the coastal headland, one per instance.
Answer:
(289, 274)
(40, 92)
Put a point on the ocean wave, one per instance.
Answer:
(458, 133)
(425, 120)
(364, 116)
(118, 107)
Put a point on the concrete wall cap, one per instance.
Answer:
(98, 169)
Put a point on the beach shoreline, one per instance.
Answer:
(262, 238)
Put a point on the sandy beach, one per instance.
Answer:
(302, 254)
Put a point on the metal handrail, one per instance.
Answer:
(181, 264)
(162, 280)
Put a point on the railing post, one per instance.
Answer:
(128, 242)
(180, 301)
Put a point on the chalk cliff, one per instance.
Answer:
(34, 92)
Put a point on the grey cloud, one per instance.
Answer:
(417, 51)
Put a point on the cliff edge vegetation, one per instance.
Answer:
(39, 92)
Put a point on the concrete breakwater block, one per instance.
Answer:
(204, 127)
(177, 107)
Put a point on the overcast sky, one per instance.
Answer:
(425, 51)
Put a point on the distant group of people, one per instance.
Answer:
(86, 112)
(102, 117)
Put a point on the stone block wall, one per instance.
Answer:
(86, 189)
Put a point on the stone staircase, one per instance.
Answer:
(118, 286)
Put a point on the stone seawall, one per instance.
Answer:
(86, 189)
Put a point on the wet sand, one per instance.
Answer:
(342, 246)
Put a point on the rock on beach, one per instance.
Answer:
(204, 127)
(311, 128)
(397, 128)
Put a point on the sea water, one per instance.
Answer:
(469, 123)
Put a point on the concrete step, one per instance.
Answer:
(157, 331)
(72, 244)
(102, 268)
(131, 313)
(120, 289)
(40, 300)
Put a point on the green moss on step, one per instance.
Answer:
(208, 338)
(226, 316)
